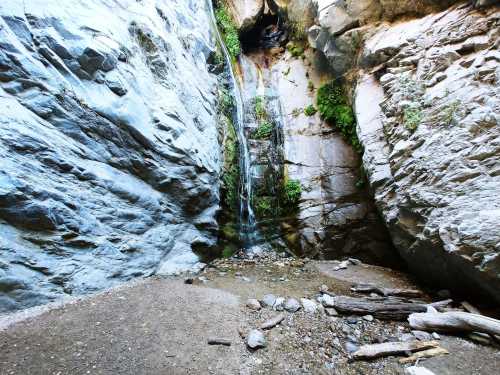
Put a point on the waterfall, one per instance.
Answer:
(246, 214)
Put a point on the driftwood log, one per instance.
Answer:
(369, 288)
(392, 348)
(382, 309)
(455, 321)
(433, 352)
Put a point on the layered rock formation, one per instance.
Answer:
(245, 12)
(108, 144)
(426, 97)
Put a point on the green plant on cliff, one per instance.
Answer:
(229, 31)
(412, 117)
(334, 108)
(292, 191)
(310, 110)
(263, 131)
(260, 107)
(264, 206)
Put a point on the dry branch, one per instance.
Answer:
(433, 352)
(455, 321)
(368, 288)
(382, 309)
(392, 348)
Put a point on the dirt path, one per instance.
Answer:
(161, 326)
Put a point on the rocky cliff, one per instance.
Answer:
(108, 143)
(425, 90)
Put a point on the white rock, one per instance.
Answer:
(309, 305)
(326, 300)
(292, 305)
(256, 339)
(269, 300)
(279, 304)
(253, 304)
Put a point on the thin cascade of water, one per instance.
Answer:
(247, 216)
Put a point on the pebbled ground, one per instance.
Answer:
(161, 326)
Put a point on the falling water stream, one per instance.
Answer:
(246, 216)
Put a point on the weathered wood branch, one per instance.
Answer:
(369, 288)
(455, 321)
(433, 352)
(382, 309)
(392, 348)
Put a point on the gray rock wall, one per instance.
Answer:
(427, 105)
(108, 144)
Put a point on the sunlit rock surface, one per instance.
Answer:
(429, 119)
(108, 143)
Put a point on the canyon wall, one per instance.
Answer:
(425, 90)
(108, 144)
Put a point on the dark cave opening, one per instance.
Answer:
(269, 32)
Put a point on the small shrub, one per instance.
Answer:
(295, 50)
(260, 107)
(226, 101)
(264, 206)
(264, 131)
(292, 192)
(450, 112)
(310, 86)
(412, 117)
(334, 108)
(310, 110)
(229, 32)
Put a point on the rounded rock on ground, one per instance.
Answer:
(253, 304)
(256, 339)
(350, 347)
(279, 304)
(309, 305)
(292, 305)
(269, 300)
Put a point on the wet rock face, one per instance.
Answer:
(108, 144)
(429, 121)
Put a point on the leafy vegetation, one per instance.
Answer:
(295, 49)
(412, 117)
(450, 112)
(310, 86)
(226, 101)
(292, 192)
(229, 31)
(260, 107)
(334, 108)
(264, 131)
(264, 206)
(310, 110)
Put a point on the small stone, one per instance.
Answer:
(435, 336)
(273, 322)
(352, 320)
(421, 335)
(342, 265)
(309, 306)
(330, 311)
(323, 288)
(368, 318)
(326, 300)
(279, 304)
(269, 300)
(188, 280)
(253, 304)
(292, 305)
(256, 339)
(355, 261)
(238, 274)
(350, 347)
